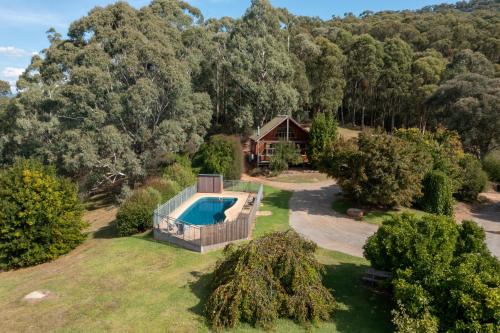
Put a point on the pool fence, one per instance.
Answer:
(206, 237)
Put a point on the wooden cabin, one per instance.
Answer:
(281, 128)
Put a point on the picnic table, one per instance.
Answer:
(374, 276)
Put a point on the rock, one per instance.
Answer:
(355, 213)
(264, 213)
(36, 295)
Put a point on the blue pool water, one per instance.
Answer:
(207, 211)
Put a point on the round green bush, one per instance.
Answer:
(40, 215)
(136, 213)
(491, 165)
(407, 240)
(276, 276)
(438, 194)
(181, 174)
(166, 187)
(474, 178)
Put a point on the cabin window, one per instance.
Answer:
(281, 133)
(270, 149)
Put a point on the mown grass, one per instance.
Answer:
(300, 178)
(134, 284)
(374, 216)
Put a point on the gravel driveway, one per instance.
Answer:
(311, 216)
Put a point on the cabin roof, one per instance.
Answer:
(272, 124)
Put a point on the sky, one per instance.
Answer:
(23, 23)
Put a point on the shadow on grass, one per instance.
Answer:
(99, 201)
(106, 232)
(278, 199)
(360, 309)
(200, 287)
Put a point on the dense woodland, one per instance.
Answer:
(126, 86)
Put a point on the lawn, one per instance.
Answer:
(348, 133)
(134, 284)
(301, 177)
(374, 216)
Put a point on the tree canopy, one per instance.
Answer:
(128, 85)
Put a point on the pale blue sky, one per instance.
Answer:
(23, 23)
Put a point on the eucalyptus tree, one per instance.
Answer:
(327, 77)
(395, 78)
(364, 65)
(470, 104)
(262, 69)
(468, 61)
(427, 71)
(114, 95)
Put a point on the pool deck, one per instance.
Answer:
(231, 213)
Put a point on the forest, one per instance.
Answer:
(123, 87)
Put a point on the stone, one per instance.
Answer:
(264, 213)
(355, 213)
(36, 295)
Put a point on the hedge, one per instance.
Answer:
(438, 195)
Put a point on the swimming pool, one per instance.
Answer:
(207, 211)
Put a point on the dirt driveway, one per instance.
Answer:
(311, 216)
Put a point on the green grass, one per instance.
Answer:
(373, 216)
(275, 201)
(300, 178)
(134, 284)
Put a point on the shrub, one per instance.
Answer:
(443, 274)
(167, 188)
(471, 239)
(438, 196)
(323, 133)
(406, 323)
(276, 276)
(181, 174)
(221, 155)
(40, 215)
(405, 240)
(378, 169)
(285, 154)
(136, 213)
(475, 178)
(491, 164)
(445, 148)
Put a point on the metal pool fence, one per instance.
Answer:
(202, 238)
(168, 207)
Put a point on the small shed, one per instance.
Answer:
(210, 184)
(280, 128)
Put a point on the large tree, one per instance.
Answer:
(262, 69)
(365, 61)
(115, 94)
(395, 79)
(469, 104)
(327, 77)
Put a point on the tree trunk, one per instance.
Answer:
(393, 115)
(363, 117)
